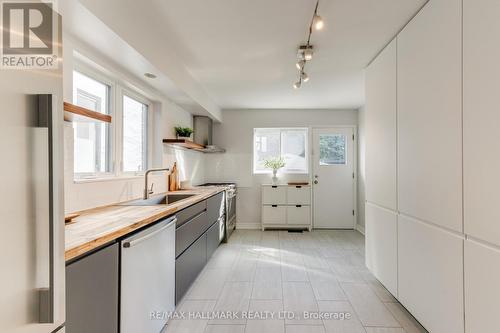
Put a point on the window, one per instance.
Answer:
(332, 149)
(288, 143)
(109, 149)
(92, 140)
(135, 120)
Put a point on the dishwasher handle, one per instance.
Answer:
(169, 222)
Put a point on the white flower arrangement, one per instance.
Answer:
(274, 163)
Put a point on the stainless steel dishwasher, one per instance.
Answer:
(148, 278)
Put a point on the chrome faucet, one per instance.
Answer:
(147, 191)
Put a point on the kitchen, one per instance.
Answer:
(249, 166)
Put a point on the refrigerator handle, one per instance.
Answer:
(47, 295)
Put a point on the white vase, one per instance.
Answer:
(275, 177)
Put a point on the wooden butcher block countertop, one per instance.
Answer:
(98, 226)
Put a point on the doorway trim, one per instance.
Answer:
(355, 170)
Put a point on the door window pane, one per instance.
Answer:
(332, 149)
(135, 115)
(92, 144)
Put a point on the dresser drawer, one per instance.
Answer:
(299, 195)
(273, 215)
(273, 195)
(298, 215)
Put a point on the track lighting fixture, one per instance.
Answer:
(306, 51)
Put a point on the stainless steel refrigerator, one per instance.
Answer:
(32, 298)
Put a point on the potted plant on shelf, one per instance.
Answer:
(274, 163)
(183, 132)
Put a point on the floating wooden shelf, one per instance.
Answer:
(77, 113)
(184, 143)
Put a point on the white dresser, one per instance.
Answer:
(286, 206)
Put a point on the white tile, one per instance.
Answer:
(384, 330)
(346, 320)
(406, 320)
(267, 290)
(190, 325)
(370, 310)
(328, 290)
(225, 329)
(265, 326)
(209, 284)
(235, 297)
(305, 329)
(297, 298)
(382, 293)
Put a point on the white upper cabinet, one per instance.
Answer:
(481, 119)
(381, 129)
(430, 115)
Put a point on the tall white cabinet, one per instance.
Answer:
(481, 72)
(381, 162)
(414, 175)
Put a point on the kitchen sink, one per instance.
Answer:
(158, 200)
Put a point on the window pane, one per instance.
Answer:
(91, 139)
(134, 135)
(267, 145)
(332, 149)
(294, 149)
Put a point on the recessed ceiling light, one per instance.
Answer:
(150, 75)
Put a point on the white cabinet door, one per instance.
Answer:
(482, 273)
(298, 215)
(429, 115)
(381, 129)
(382, 246)
(273, 195)
(481, 119)
(430, 266)
(274, 215)
(299, 195)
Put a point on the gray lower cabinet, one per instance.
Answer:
(213, 238)
(215, 207)
(190, 231)
(188, 265)
(92, 292)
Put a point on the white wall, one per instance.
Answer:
(235, 134)
(80, 195)
(361, 168)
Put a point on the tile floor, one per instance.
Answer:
(281, 274)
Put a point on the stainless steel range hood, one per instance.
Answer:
(203, 133)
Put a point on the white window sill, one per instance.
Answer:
(106, 179)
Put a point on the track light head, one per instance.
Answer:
(297, 85)
(304, 77)
(318, 22)
(308, 54)
(300, 64)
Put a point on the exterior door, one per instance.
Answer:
(333, 178)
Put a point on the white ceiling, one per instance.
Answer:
(243, 51)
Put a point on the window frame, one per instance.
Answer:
(99, 77)
(122, 92)
(281, 130)
(117, 91)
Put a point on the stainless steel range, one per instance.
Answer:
(230, 207)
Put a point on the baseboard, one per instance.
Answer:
(248, 226)
(360, 228)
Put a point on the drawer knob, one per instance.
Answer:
(298, 206)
